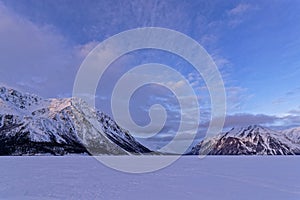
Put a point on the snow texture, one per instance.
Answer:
(211, 178)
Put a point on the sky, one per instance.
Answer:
(255, 44)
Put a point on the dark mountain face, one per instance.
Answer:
(30, 125)
(252, 140)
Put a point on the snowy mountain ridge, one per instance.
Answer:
(251, 140)
(31, 125)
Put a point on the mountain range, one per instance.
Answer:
(251, 140)
(31, 125)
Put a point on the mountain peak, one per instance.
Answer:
(16, 100)
(250, 140)
(32, 125)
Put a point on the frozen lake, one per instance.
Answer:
(188, 178)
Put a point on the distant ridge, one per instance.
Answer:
(251, 140)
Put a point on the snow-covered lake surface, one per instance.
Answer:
(82, 177)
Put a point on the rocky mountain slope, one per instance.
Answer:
(30, 125)
(251, 140)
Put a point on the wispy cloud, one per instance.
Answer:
(237, 15)
(295, 91)
(240, 9)
(289, 96)
(279, 101)
(236, 98)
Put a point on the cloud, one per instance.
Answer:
(238, 14)
(279, 101)
(240, 9)
(35, 58)
(208, 39)
(245, 119)
(85, 49)
(294, 112)
(293, 92)
(291, 120)
(290, 96)
(236, 98)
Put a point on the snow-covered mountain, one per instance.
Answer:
(251, 140)
(30, 125)
(293, 135)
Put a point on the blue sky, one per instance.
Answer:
(256, 45)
